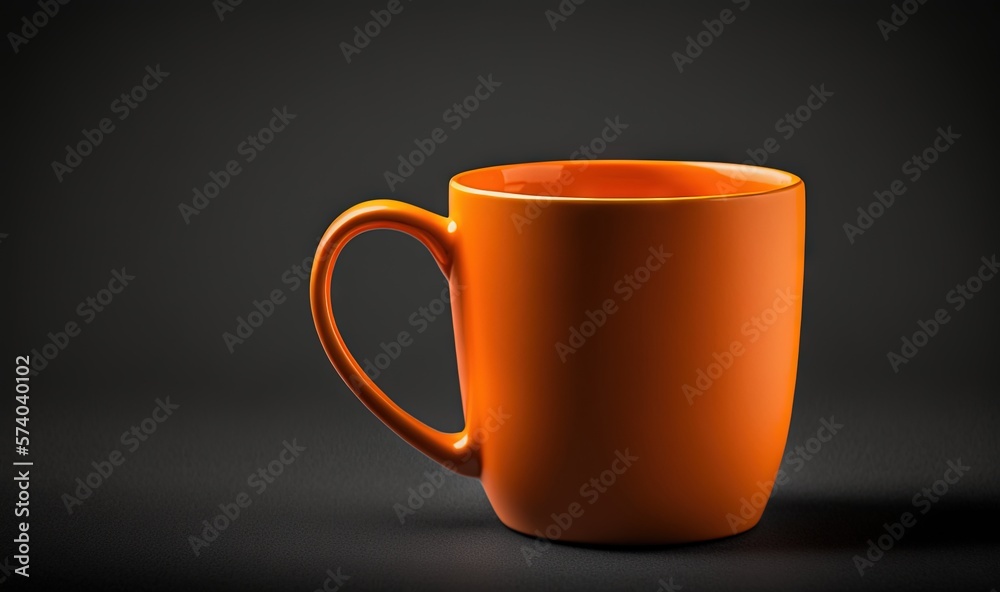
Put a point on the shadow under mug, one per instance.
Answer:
(627, 336)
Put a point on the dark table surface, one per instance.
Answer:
(333, 507)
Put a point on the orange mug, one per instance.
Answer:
(627, 336)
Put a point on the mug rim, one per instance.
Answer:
(790, 180)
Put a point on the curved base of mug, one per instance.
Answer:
(626, 540)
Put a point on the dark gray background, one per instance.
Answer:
(333, 507)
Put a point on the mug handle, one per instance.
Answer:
(454, 451)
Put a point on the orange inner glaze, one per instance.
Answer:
(627, 336)
(624, 179)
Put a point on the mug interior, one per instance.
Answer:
(623, 179)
